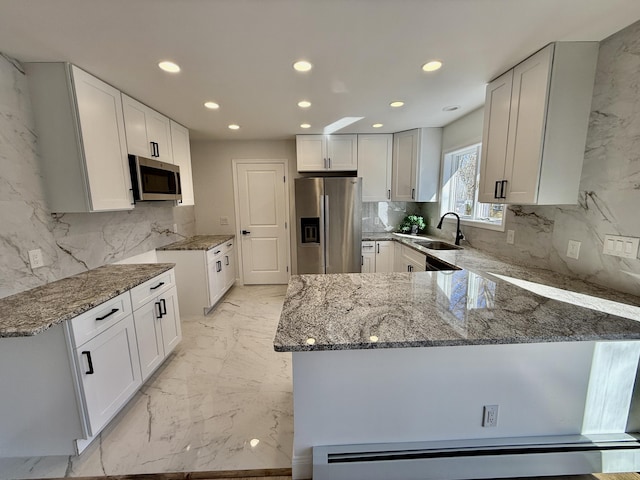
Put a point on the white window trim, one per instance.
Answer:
(469, 223)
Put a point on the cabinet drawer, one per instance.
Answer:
(226, 246)
(89, 324)
(368, 246)
(215, 252)
(150, 289)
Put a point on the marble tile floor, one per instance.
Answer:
(223, 387)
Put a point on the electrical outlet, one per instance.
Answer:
(490, 416)
(573, 249)
(35, 258)
(175, 228)
(511, 236)
(626, 247)
(376, 221)
(224, 220)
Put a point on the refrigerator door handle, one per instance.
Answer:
(326, 230)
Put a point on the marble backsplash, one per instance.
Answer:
(609, 188)
(70, 243)
(386, 216)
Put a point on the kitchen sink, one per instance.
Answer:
(437, 245)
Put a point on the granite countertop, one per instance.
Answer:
(198, 242)
(489, 301)
(33, 311)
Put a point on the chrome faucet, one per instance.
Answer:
(459, 235)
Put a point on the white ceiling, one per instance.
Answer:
(366, 53)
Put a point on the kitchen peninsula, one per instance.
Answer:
(411, 362)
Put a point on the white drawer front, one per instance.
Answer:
(150, 289)
(414, 255)
(215, 252)
(89, 324)
(226, 246)
(368, 246)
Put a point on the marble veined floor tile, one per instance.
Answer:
(222, 401)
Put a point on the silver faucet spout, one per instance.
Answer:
(459, 235)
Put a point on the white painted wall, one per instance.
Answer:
(212, 167)
(432, 394)
(464, 131)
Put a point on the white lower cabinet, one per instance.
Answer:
(157, 320)
(412, 260)
(377, 256)
(109, 372)
(83, 371)
(203, 276)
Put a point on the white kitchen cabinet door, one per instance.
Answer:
(384, 257)
(368, 263)
(342, 152)
(405, 158)
(527, 120)
(182, 158)
(81, 139)
(494, 139)
(311, 153)
(215, 280)
(375, 154)
(416, 165)
(170, 320)
(229, 265)
(109, 371)
(148, 132)
(316, 153)
(149, 336)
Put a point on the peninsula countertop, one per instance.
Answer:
(488, 302)
(33, 311)
(198, 242)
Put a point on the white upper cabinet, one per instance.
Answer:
(317, 153)
(535, 127)
(148, 132)
(182, 158)
(81, 138)
(416, 165)
(374, 166)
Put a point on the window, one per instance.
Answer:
(460, 179)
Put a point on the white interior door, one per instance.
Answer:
(262, 213)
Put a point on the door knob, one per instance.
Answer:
(246, 232)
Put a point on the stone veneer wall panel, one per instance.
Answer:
(70, 243)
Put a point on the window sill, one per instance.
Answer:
(473, 223)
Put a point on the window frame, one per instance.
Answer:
(446, 165)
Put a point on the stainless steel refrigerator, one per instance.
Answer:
(329, 224)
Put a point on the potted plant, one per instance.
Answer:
(412, 224)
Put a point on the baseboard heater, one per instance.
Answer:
(481, 458)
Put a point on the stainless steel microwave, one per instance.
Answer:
(154, 180)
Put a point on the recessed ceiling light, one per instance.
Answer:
(451, 108)
(305, 125)
(396, 104)
(302, 66)
(432, 66)
(212, 105)
(376, 125)
(233, 126)
(304, 104)
(169, 67)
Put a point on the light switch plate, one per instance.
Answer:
(224, 220)
(573, 249)
(626, 247)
